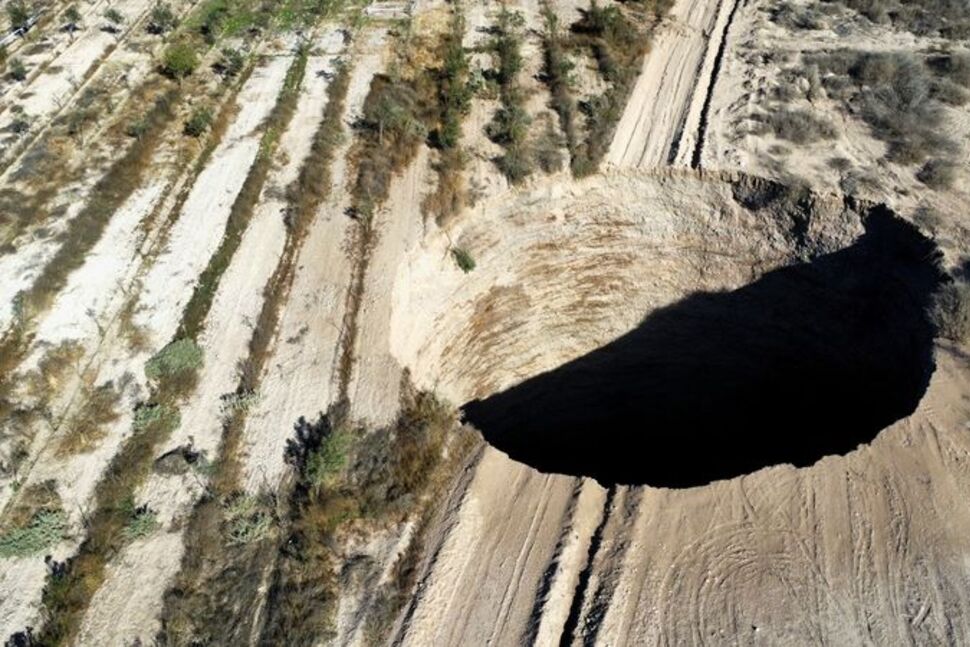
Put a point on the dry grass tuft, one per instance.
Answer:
(88, 425)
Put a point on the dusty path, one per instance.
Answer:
(301, 376)
(661, 120)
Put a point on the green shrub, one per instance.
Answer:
(198, 122)
(454, 87)
(247, 519)
(114, 18)
(73, 18)
(180, 356)
(212, 21)
(326, 463)
(230, 63)
(238, 402)
(951, 312)
(18, 71)
(44, 530)
(506, 44)
(137, 129)
(463, 259)
(557, 74)
(142, 521)
(516, 163)
(510, 125)
(162, 19)
(179, 61)
(18, 13)
(160, 417)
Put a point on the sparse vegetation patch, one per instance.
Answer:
(617, 36)
(455, 91)
(463, 259)
(892, 92)
(798, 126)
(385, 477)
(510, 125)
(142, 521)
(88, 425)
(177, 358)
(43, 531)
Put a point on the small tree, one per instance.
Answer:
(162, 19)
(73, 18)
(463, 259)
(179, 61)
(18, 13)
(115, 19)
(18, 70)
(137, 128)
(230, 63)
(199, 122)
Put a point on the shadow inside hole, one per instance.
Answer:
(807, 361)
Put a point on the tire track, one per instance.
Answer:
(569, 631)
(705, 111)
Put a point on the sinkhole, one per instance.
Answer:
(808, 360)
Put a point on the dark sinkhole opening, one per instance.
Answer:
(809, 360)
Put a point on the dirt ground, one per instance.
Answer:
(869, 545)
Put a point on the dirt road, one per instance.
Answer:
(662, 121)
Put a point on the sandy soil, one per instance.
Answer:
(759, 51)
(125, 607)
(225, 343)
(854, 550)
(867, 548)
(77, 475)
(374, 389)
(663, 112)
(300, 378)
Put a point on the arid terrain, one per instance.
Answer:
(593, 322)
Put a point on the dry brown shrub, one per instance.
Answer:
(88, 425)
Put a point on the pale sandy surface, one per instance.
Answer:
(301, 376)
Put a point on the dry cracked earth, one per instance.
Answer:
(538, 322)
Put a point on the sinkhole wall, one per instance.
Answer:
(614, 325)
